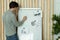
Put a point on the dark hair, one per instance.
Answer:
(13, 4)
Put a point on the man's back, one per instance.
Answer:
(9, 27)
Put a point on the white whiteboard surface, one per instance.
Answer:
(32, 27)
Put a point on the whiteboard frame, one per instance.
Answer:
(41, 17)
(30, 8)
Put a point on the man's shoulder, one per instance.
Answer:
(8, 11)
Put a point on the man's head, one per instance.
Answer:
(14, 5)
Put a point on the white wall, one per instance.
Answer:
(57, 12)
(57, 7)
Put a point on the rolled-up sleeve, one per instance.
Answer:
(15, 22)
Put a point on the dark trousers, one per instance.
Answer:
(13, 37)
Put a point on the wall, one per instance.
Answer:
(57, 12)
(47, 7)
(57, 7)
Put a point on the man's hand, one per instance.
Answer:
(24, 18)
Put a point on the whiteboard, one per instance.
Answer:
(32, 27)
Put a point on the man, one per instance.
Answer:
(10, 22)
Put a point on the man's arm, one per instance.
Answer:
(15, 22)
